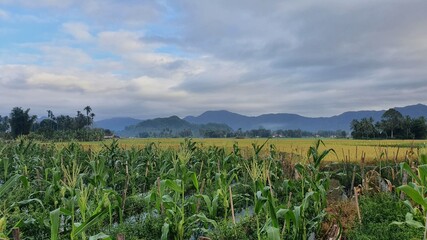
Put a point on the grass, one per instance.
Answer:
(378, 212)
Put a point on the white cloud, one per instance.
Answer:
(79, 31)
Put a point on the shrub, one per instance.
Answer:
(145, 226)
(378, 212)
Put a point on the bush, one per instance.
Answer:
(378, 212)
(145, 226)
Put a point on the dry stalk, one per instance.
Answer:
(356, 193)
(232, 205)
(353, 177)
(16, 234)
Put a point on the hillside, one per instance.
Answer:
(294, 121)
(170, 127)
(131, 127)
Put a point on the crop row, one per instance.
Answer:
(155, 193)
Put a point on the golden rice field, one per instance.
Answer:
(346, 149)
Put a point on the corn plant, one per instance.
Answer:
(315, 184)
(417, 192)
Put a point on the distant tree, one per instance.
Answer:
(88, 110)
(297, 133)
(406, 131)
(46, 128)
(108, 132)
(391, 122)
(50, 115)
(419, 128)
(210, 133)
(80, 121)
(143, 135)
(65, 122)
(263, 133)
(92, 116)
(239, 133)
(364, 129)
(185, 133)
(4, 124)
(21, 121)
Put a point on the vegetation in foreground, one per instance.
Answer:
(194, 191)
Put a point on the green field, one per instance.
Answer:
(176, 189)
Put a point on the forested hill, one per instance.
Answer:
(174, 127)
(294, 121)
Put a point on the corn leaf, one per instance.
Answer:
(54, 224)
(93, 220)
(273, 233)
(173, 185)
(413, 194)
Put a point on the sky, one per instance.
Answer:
(157, 58)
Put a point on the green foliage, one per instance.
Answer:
(21, 121)
(378, 212)
(391, 121)
(364, 129)
(4, 125)
(175, 127)
(243, 230)
(392, 125)
(416, 191)
(145, 226)
(154, 193)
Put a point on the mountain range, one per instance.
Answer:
(273, 121)
(294, 121)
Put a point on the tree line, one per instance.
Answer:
(393, 125)
(59, 128)
(211, 132)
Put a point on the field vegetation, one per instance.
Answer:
(205, 190)
(295, 149)
(53, 187)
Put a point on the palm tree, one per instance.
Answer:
(88, 109)
(51, 117)
(92, 115)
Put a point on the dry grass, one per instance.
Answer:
(341, 213)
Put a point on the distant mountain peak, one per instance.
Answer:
(275, 121)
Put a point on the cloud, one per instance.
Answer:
(157, 58)
(79, 31)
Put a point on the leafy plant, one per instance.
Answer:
(416, 191)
